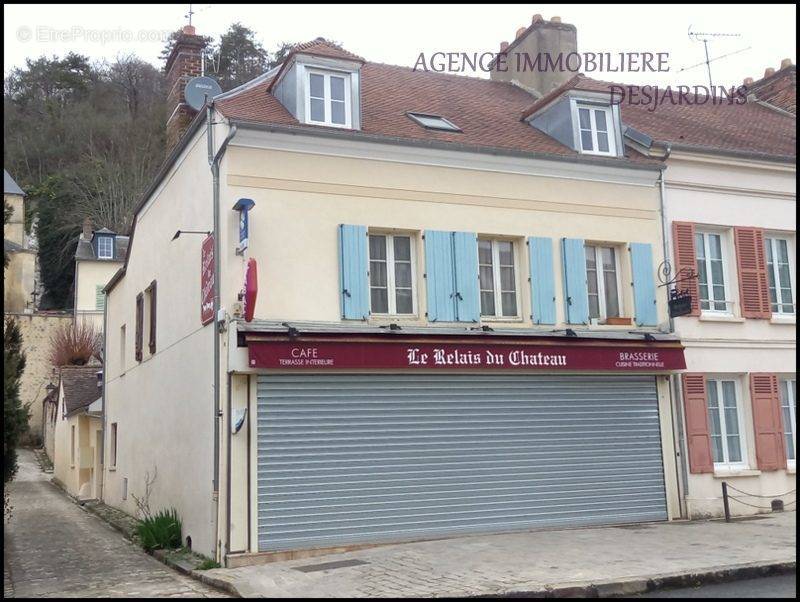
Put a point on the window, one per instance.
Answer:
(602, 279)
(596, 130)
(712, 276)
(391, 274)
(724, 420)
(434, 122)
(497, 276)
(780, 276)
(99, 297)
(139, 340)
(72, 445)
(328, 99)
(113, 450)
(122, 333)
(105, 247)
(150, 309)
(789, 411)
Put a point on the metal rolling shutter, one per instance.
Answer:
(346, 458)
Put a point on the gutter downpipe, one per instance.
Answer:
(680, 467)
(102, 492)
(214, 161)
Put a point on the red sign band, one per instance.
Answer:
(351, 355)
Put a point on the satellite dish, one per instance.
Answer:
(198, 88)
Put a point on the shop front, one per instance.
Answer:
(378, 435)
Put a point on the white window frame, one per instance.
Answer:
(726, 282)
(601, 282)
(390, 276)
(72, 446)
(496, 280)
(100, 240)
(770, 238)
(790, 462)
(348, 105)
(725, 464)
(610, 122)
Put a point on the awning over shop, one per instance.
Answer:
(314, 346)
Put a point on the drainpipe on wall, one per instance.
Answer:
(214, 161)
(674, 389)
(103, 406)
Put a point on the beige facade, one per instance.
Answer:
(19, 276)
(303, 189)
(718, 194)
(163, 405)
(77, 457)
(90, 279)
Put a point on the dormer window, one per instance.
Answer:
(328, 100)
(105, 247)
(595, 129)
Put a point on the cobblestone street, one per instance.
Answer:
(52, 548)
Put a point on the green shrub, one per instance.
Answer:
(207, 564)
(161, 531)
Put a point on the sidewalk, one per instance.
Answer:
(579, 562)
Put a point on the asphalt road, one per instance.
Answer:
(779, 586)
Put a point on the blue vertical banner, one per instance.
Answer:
(243, 206)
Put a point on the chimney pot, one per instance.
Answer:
(503, 46)
(748, 81)
(786, 63)
(537, 18)
(520, 31)
(87, 228)
(189, 30)
(555, 19)
(769, 71)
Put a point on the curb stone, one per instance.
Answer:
(637, 585)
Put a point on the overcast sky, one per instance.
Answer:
(398, 34)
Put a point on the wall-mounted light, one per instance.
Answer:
(179, 232)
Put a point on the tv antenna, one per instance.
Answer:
(705, 37)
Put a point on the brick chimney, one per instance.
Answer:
(183, 63)
(541, 37)
(87, 229)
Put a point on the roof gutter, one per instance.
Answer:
(732, 153)
(490, 150)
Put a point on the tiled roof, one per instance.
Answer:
(779, 89)
(80, 386)
(323, 47)
(490, 113)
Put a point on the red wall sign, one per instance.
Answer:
(457, 356)
(207, 280)
(250, 289)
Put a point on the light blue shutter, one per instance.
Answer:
(440, 276)
(575, 290)
(543, 284)
(644, 286)
(465, 255)
(353, 272)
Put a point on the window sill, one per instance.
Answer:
(501, 319)
(112, 469)
(720, 318)
(720, 473)
(783, 319)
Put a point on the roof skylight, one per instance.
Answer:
(434, 122)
